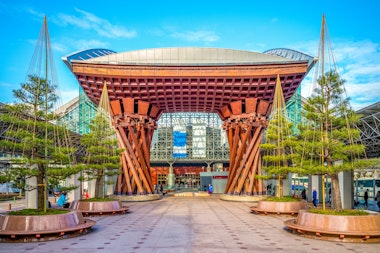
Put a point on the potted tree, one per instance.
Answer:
(327, 147)
(35, 145)
(101, 164)
(40, 150)
(278, 159)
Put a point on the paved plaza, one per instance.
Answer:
(187, 224)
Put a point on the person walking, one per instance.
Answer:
(315, 200)
(303, 194)
(210, 188)
(378, 199)
(366, 198)
(329, 198)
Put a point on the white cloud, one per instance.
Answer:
(89, 21)
(86, 44)
(363, 92)
(35, 13)
(68, 94)
(7, 85)
(58, 47)
(358, 62)
(66, 19)
(201, 35)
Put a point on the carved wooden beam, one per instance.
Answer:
(245, 129)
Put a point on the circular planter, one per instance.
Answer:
(137, 198)
(276, 207)
(336, 227)
(95, 208)
(241, 198)
(28, 228)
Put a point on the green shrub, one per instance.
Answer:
(283, 199)
(49, 211)
(346, 212)
(98, 200)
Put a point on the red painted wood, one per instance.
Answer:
(129, 105)
(262, 108)
(115, 107)
(189, 88)
(236, 107)
(143, 107)
(250, 105)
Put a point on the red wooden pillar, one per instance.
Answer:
(245, 124)
(134, 124)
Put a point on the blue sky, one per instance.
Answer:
(247, 25)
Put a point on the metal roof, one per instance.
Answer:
(85, 55)
(369, 110)
(190, 56)
(370, 129)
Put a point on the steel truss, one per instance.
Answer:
(370, 129)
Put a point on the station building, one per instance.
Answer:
(190, 88)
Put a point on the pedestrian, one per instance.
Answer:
(161, 188)
(329, 200)
(366, 198)
(315, 200)
(62, 201)
(86, 195)
(269, 189)
(210, 188)
(303, 194)
(378, 199)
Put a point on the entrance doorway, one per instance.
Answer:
(187, 182)
(161, 179)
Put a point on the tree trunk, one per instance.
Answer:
(280, 192)
(99, 189)
(335, 193)
(40, 188)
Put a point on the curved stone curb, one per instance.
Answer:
(28, 228)
(99, 208)
(137, 198)
(336, 227)
(242, 198)
(274, 207)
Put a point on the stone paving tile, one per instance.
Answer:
(188, 225)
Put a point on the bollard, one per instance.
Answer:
(9, 206)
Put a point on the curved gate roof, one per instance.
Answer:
(189, 79)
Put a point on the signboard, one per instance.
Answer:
(219, 177)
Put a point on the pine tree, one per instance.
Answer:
(102, 153)
(279, 156)
(279, 143)
(42, 147)
(327, 144)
